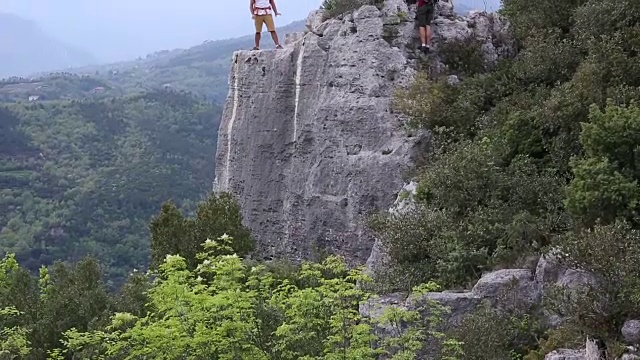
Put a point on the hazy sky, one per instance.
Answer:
(123, 29)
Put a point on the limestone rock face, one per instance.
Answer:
(631, 332)
(504, 289)
(550, 273)
(591, 351)
(566, 354)
(308, 142)
(518, 281)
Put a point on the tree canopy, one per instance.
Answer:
(83, 177)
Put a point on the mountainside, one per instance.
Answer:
(25, 49)
(84, 177)
(58, 86)
(202, 69)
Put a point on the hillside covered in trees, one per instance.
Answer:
(82, 177)
(56, 86)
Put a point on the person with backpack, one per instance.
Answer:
(261, 12)
(425, 13)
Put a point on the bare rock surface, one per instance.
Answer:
(631, 332)
(566, 354)
(308, 141)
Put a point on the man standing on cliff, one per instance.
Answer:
(424, 16)
(261, 11)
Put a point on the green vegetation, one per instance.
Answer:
(540, 152)
(85, 177)
(58, 86)
(172, 234)
(529, 150)
(338, 7)
(225, 308)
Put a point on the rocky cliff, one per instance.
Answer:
(308, 142)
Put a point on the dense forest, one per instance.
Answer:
(538, 153)
(56, 86)
(82, 177)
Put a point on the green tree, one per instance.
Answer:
(14, 342)
(36, 312)
(215, 311)
(605, 186)
(132, 297)
(71, 297)
(173, 234)
(84, 176)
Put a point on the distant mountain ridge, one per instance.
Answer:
(25, 49)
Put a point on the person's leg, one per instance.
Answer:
(271, 27)
(274, 36)
(421, 19)
(258, 22)
(257, 40)
(428, 29)
(424, 37)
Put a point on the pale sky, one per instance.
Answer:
(123, 29)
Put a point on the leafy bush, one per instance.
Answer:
(13, 340)
(339, 7)
(473, 213)
(507, 133)
(489, 334)
(34, 312)
(463, 56)
(586, 312)
(225, 309)
(605, 186)
(172, 233)
(612, 253)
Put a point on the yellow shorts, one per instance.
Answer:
(266, 20)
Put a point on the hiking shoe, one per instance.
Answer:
(279, 47)
(425, 49)
(256, 48)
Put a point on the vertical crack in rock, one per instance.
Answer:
(297, 100)
(234, 113)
